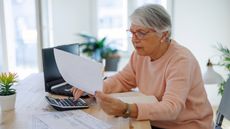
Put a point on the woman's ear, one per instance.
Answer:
(164, 36)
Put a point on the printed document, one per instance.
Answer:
(134, 97)
(138, 99)
(79, 72)
(67, 120)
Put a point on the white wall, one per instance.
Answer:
(199, 25)
(71, 17)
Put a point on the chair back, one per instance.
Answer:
(224, 107)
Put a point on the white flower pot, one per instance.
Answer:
(7, 102)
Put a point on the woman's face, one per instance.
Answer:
(146, 41)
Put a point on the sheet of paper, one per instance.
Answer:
(69, 120)
(138, 99)
(38, 124)
(80, 72)
(134, 97)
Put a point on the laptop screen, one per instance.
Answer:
(51, 73)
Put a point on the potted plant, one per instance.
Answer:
(111, 57)
(7, 93)
(225, 62)
(92, 46)
(98, 50)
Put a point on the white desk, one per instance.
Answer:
(30, 100)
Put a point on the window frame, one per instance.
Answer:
(4, 48)
(3, 44)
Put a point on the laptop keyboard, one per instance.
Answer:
(66, 104)
(63, 90)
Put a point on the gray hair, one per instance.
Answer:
(152, 16)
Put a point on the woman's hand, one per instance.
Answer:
(110, 105)
(77, 93)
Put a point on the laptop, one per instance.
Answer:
(54, 83)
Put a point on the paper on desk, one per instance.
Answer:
(134, 97)
(80, 72)
(138, 99)
(68, 120)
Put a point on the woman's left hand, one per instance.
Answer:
(110, 105)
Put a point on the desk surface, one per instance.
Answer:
(30, 100)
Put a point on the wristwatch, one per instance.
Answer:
(127, 112)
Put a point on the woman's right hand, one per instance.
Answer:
(77, 93)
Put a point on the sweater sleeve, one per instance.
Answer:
(122, 81)
(178, 83)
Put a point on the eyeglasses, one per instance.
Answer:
(140, 34)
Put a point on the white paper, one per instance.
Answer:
(134, 97)
(138, 99)
(68, 120)
(80, 72)
(38, 124)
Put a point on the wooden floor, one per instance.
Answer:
(225, 124)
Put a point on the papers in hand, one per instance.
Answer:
(134, 97)
(138, 99)
(79, 72)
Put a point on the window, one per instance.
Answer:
(113, 19)
(112, 22)
(19, 46)
(1, 39)
(1, 50)
(21, 36)
(161, 2)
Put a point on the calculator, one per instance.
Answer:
(66, 103)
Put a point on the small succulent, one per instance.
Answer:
(6, 81)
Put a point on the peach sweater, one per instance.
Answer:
(175, 79)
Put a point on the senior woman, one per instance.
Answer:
(161, 67)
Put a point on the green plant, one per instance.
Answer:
(225, 62)
(6, 81)
(109, 52)
(92, 44)
(97, 48)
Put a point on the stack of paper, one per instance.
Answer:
(67, 120)
(134, 97)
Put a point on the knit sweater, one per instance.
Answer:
(175, 80)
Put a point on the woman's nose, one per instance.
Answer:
(135, 39)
